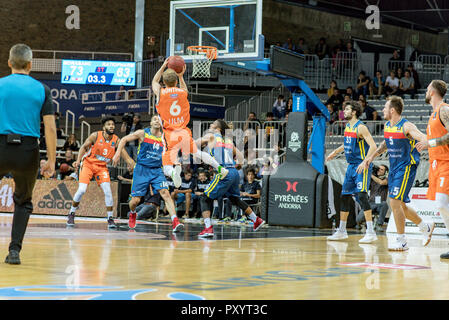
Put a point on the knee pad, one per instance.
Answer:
(108, 199)
(82, 188)
(363, 200)
(239, 203)
(345, 202)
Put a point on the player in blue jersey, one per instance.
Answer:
(400, 140)
(223, 150)
(148, 170)
(358, 145)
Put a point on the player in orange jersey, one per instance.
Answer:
(174, 109)
(96, 152)
(438, 145)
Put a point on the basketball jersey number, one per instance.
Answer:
(395, 191)
(391, 140)
(441, 182)
(175, 109)
(105, 152)
(105, 175)
(359, 185)
(348, 140)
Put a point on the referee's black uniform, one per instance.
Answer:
(23, 101)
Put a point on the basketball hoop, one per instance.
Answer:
(202, 59)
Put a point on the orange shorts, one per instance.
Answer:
(175, 140)
(88, 170)
(438, 178)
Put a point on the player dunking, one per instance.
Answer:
(174, 109)
(438, 145)
(95, 153)
(224, 151)
(400, 141)
(358, 145)
(148, 170)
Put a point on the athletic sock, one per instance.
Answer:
(422, 226)
(173, 217)
(369, 227)
(73, 209)
(207, 222)
(342, 227)
(252, 216)
(110, 214)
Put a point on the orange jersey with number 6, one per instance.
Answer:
(173, 108)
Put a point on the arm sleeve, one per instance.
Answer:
(48, 107)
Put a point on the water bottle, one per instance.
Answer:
(59, 176)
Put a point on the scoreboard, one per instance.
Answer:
(113, 73)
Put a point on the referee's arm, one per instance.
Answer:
(48, 115)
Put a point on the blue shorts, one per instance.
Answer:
(355, 182)
(181, 197)
(227, 187)
(143, 177)
(400, 181)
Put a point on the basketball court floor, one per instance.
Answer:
(275, 263)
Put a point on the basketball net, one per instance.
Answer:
(202, 60)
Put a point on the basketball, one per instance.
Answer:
(176, 63)
(64, 168)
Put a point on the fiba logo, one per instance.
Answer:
(294, 144)
(373, 21)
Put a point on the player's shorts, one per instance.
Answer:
(89, 171)
(227, 187)
(356, 182)
(438, 178)
(175, 140)
(400, 181)
(143, 177)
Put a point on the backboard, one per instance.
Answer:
(234, 27)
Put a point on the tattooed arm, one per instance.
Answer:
(444, 118)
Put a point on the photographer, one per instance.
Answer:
(378, 196)
(131, 123)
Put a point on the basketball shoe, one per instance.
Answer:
(427, 233)
(338, 235)
(176, 176)
(399, 245)
(71, 220)
(207, 232)
(177, 226)
(13, 257)
(258, 223)
(132, 220)
(111, 223)
(368, 238)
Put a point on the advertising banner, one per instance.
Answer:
(55, 197)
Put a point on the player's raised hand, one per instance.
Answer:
(116, 159)
(182, 72)
(420, 146)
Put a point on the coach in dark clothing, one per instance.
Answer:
(23, 100)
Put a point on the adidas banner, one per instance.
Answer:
(55, 197)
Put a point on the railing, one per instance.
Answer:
(50, 60)
(67, 113)
(84, 124)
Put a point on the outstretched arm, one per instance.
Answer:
(155, 85)
(182, 83)
(334, 153)
(84, 148)
(139, 134)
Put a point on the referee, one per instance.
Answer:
(23, 100)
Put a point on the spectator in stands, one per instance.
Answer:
(407, 85)
(395, 61)
(279, 107)
(414, 75)
(121, 94)
(368, 112)
(200, 186)
(391, 84)
(336, 99)
(346, 97)
(71, 143)
(289, 45)
(184, 192)
(376, 86)
(362, 84)
(68, 160)
(349, 48)
(252, 122)
(321, 49)
(58, 125)
(333, 113)
(302, 47)
(127, 176)
(333, 86)
(340, 46)
(289, 107)
(150, 205)
(131, 124)
(41, 165)
(351, 93)
(378, 196)
(250, 190)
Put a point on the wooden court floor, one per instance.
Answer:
(92, 262)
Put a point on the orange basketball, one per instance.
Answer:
(64, 168)
(176, 63)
